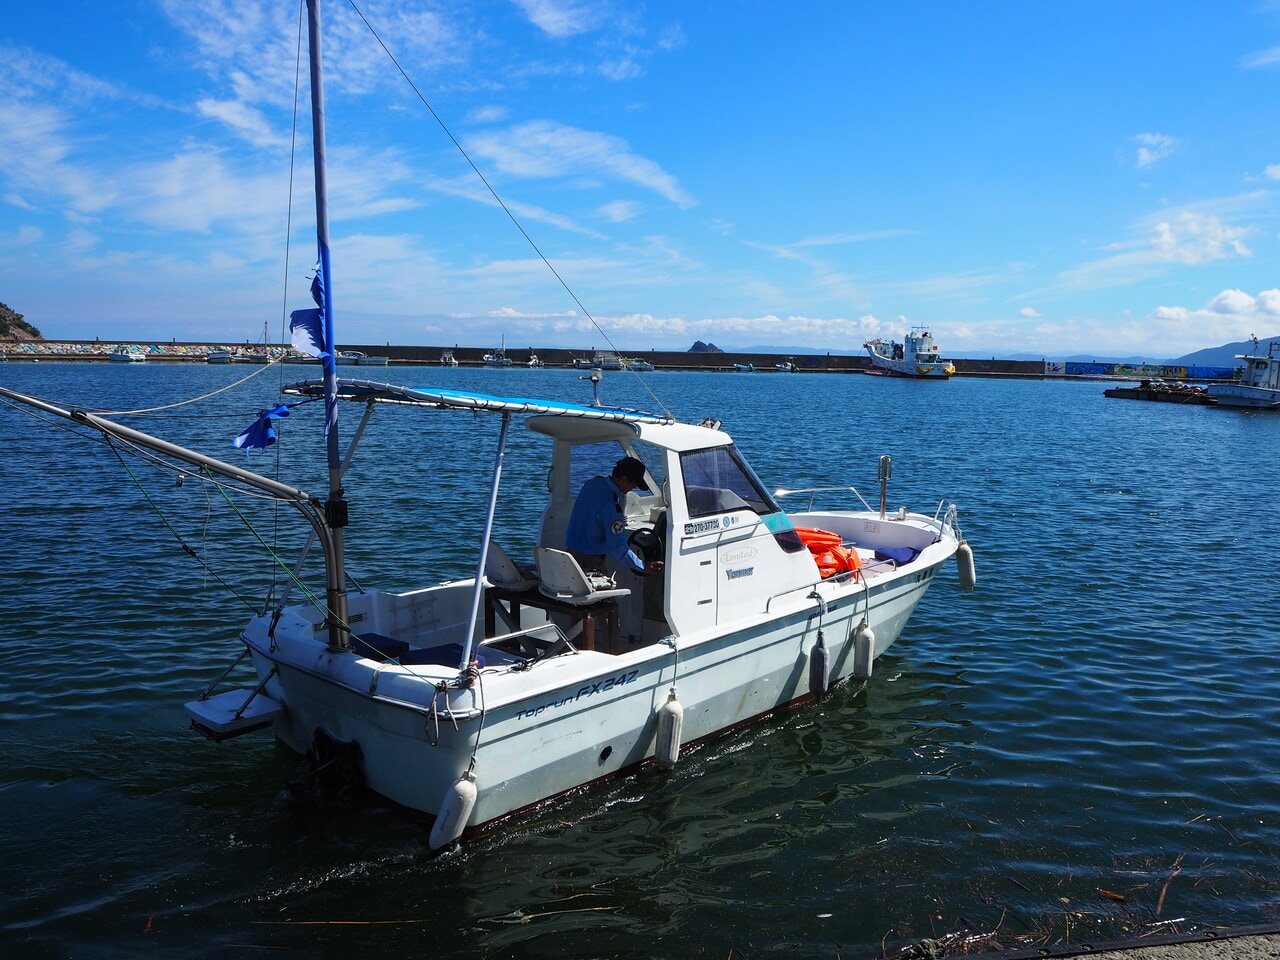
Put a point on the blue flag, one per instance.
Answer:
(262, 432)
(307, 326)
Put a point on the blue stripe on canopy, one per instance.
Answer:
(365, 390)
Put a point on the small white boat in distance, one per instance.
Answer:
(127, 355)
(355, 358)
(1259, 384)
(447, 359)
(498, 358)
(916, 357)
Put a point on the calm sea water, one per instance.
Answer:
(1096, 721)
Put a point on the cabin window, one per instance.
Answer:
(717, 481)
(598, 459)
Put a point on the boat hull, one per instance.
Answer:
(573, 719)
(1245, 397)
(909, 370)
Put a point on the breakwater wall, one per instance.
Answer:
(185, 352)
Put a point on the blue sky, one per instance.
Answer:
(1023, 178)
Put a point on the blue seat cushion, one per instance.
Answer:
(377, 647)
(898, 554)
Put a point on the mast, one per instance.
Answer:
(336, 507)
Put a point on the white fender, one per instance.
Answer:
(459, 800)
(964, 565)
(666, 750)
(864, 651)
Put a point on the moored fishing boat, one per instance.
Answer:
(1258, 386)
(498, 358)
(916, 357)
(472, 699)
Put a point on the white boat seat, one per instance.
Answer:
(562, 578)
(505, 573)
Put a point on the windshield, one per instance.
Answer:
(717, 481)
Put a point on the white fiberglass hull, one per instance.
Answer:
(918, 370)
(1240, 395)
(569, 720)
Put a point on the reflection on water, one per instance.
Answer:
(1096, 716)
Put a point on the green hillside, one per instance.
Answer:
(14, 327)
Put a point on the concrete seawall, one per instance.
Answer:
(188, 352)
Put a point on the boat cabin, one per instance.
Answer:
(719, 532)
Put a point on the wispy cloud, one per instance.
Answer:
(561, 18)
(1268, 59)
(619, 211)
(245, 120)
(467, 188)
(1152, 148)
(1189, 237)
(546, 149)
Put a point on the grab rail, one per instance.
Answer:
(813, 490)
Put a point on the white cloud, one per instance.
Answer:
(1153, 147)
(1231, 316)
(619, 211)
(1272, 172)
(544, 149)
(1029, 313)
(1263, 59)
(1189, 237)
(559, 18)
(246, 121)
(488, 114)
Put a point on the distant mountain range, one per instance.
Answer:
(1223, 356)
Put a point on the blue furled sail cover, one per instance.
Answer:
(262, 432)
(307, 326)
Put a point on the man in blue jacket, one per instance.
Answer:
(598, 528)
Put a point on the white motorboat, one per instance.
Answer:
(357, 358)
(1258, 386)
(447, 359)
(916, 357)
(606, 360)
(219, 355)
(127, 355)
(473, 699)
